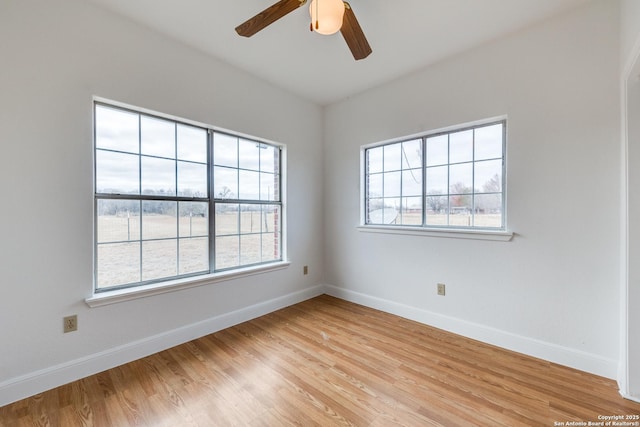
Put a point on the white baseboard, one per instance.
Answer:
(543, 350)
(36, 382)
(630, 397)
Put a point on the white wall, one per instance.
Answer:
(54, 56)
(629, 28)
(630, 60)
(633, 282)
(553, 291)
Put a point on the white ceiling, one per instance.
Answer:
(405, 35)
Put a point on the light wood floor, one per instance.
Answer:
(327, 362)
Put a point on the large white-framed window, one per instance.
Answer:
(175, 199)
(443, 180)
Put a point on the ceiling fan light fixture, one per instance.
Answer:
(326, 16)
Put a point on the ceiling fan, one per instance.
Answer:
(327, 17)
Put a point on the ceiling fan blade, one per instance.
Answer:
(268, 17)
(353, 34)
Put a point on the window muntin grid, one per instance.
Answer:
(155, 219)
(463, 175)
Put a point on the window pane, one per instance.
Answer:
(271, 219)
(116, 129)
(412, 182)
(157, 137)
(192, 179)
(270, 247)
(158, 176)
(192, 143)
(271, 236)
(227, 252)
(249, 154)
(159, 259)
(488, 212)
(438, 150)
(159, 219)
(437, 180)
(193, 255)
(460, 204)
(461, 146)
(460, 211)
(225, 150)
(461, 178)
(437, 208)
(437, 219)
(227, 219)
(269, 158)
(193, 219)
(392, 157)
(392, 184)
(386, 212)
(117, 173)
(390, 211)
(488, 177)
(250, 249)
(269, 186)
(249, 185)
(117, 264)
(118, 220)
(412, 154)
(375, 215)
(225, 182)
(250, 219)
(374, 159)
(488, 142)
(372, 205)
(375, 188)
(410, 211)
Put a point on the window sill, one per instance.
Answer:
(501, 236)
(99, 299)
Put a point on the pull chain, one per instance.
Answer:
(317, 24)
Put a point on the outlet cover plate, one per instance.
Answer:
(70, 323)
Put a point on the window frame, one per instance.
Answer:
(500, 233)
(113, 293)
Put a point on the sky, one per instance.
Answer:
(139, 153)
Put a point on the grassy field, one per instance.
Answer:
(159, 246)
(460, 220)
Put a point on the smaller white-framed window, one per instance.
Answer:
(453, 179)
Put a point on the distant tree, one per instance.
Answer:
(492, 201)
(159, 207)
(461, 195)
(193, 209)
(118, 207)
(435, 201)
(494, 185)
(375, 204)
(225, 193)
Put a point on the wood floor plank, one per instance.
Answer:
(327, 362)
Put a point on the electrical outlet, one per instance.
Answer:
(70, 323)
(305, 270)
(441, 289)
